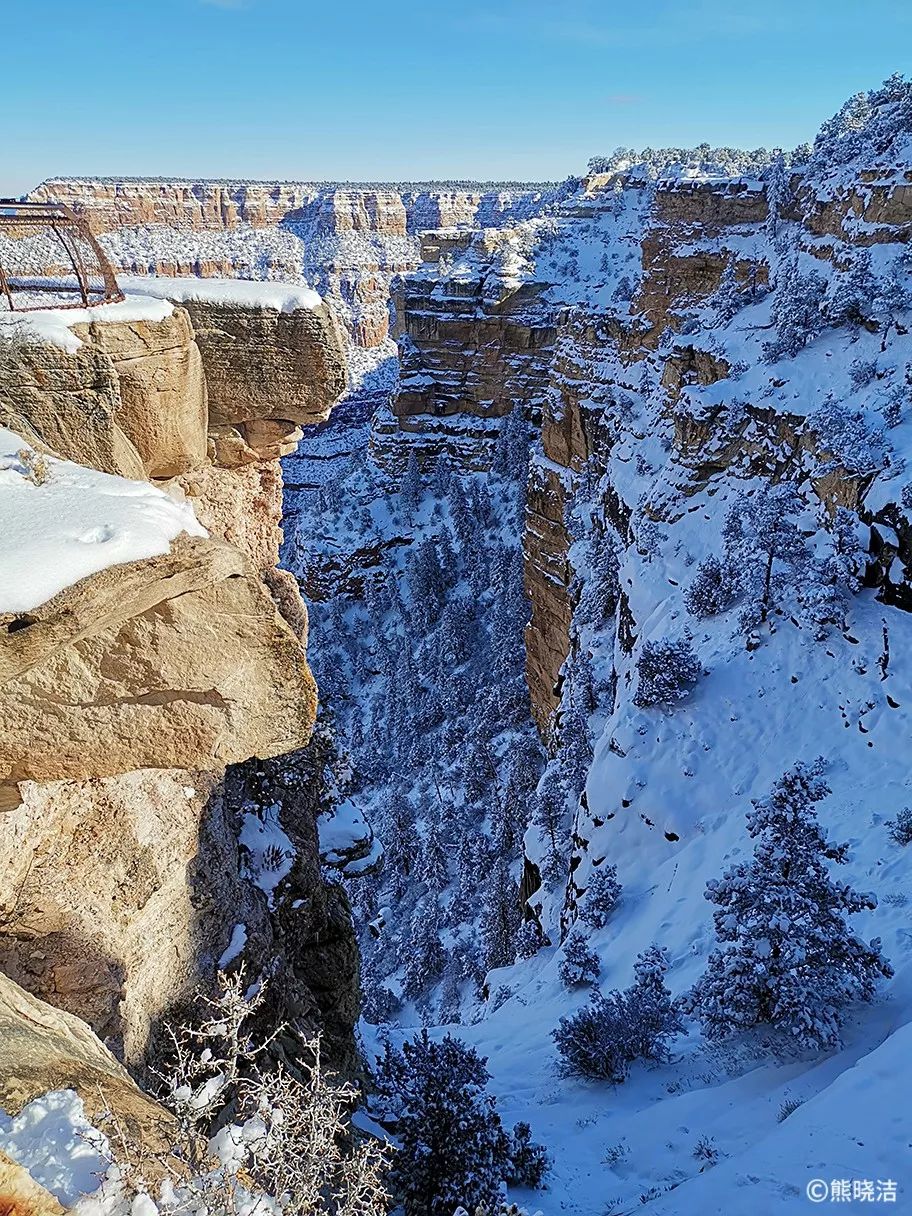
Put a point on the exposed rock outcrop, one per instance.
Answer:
(43, 1049)
(130, 400)
(124, 698)
(126, 670)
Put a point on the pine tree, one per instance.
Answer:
(854, 292)
(795, 312)
(714, 588)
(729, 299)
(512, 446)
(427, 583)
(763, 544)
(433, 868)
(410, 487)
(777, 186)
(441, 477)
(422, 953)
(667, 671)
(580, 964)
(787, 957)
(600, 897)
(453, 1151)
(501, 916)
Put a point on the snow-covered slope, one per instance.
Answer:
(61, 522)
(715, 338)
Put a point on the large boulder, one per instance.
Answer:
(44, 1049)
(178, 661)
(124, 396)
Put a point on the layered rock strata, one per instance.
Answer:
(124, 698)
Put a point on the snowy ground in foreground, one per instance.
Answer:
(61, 522)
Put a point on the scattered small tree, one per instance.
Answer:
(528, 1161)
(580, 964)
(453, 1148)
(600, 897)
(667, 671)
(787, 957)
(607, 1035)
(900, 828)
(713, 590)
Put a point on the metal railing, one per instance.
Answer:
(50, 259)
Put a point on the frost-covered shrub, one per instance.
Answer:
(529, 1161)
(795, 312)
(900, 828)
(713, 590)
(667, 672)
(580, 964)
(601, 897)
(249, 1134)
(862, 372)
(788, 1107)
(706, 1151)
(607, 1035)
(453, 1148)
(786, 955)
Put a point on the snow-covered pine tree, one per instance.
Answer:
(600, 897)
(729, 298)
(667, 672)
(777, 183)
(453, 1151)
(787, 956)
(764, 545)
(853, 294)
(580, 964)
(713, 589)
(423, 956)
(433, 869)
(501, 916)
(797, 299)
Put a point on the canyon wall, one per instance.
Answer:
(140, 705)
(348, 240)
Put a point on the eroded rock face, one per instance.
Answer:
(261, 364)
(162, 663)
(130, 400)
(43, 1048)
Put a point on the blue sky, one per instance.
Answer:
(396, 89)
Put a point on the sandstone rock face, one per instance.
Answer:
(264, 364)
(163, 397)
(468, 357)
(105, 922)
(42, 1049)
(241, 505)
(163, 663)
(203, 205)
(130, 400)
(873, 213)
(21, 1195)
(124, 698)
